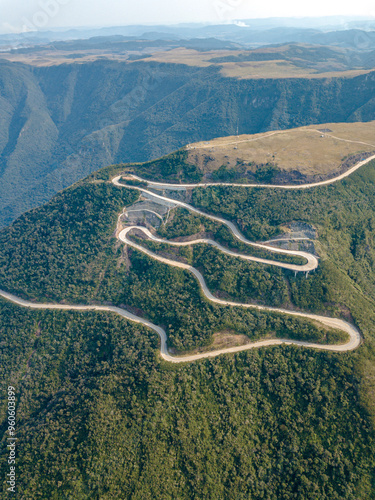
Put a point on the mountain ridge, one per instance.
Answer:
(279, 422)
(139, 112)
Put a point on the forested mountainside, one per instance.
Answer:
(59, 123)
(101, 416)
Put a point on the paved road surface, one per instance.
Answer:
(354, 335)
(336, 323)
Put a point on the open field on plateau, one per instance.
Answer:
(287, 61)
(244, 69)
(53, 57)
(312, 150)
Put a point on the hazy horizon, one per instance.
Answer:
(32, 15)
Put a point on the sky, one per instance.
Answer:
(26, 15)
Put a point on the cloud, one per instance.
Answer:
(9, 28)
(42, 14)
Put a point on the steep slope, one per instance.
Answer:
(60, 123)
(66, 252)
(100, 416)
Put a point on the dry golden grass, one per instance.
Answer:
(278, 69)
(190, 57)
(246, 69)
(306, 149)
(55, 58)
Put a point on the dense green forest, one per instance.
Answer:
(66, 251)
(100, 416)
(184, 223)
(344, 213)
(141, 111)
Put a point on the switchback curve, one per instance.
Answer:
(354, 335)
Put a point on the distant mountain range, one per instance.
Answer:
(127, 94)
(341, 31)
(99, 413)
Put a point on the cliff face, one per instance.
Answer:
(59, 123)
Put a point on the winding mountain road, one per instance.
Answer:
(353, 343)
(311, 264)
(162, 185)
(312, 261)
(354, 335)
(277, 132)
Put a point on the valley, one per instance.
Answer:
(187, 259)
(71, 278)
(142, 110)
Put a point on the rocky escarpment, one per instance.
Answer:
(59, 123)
